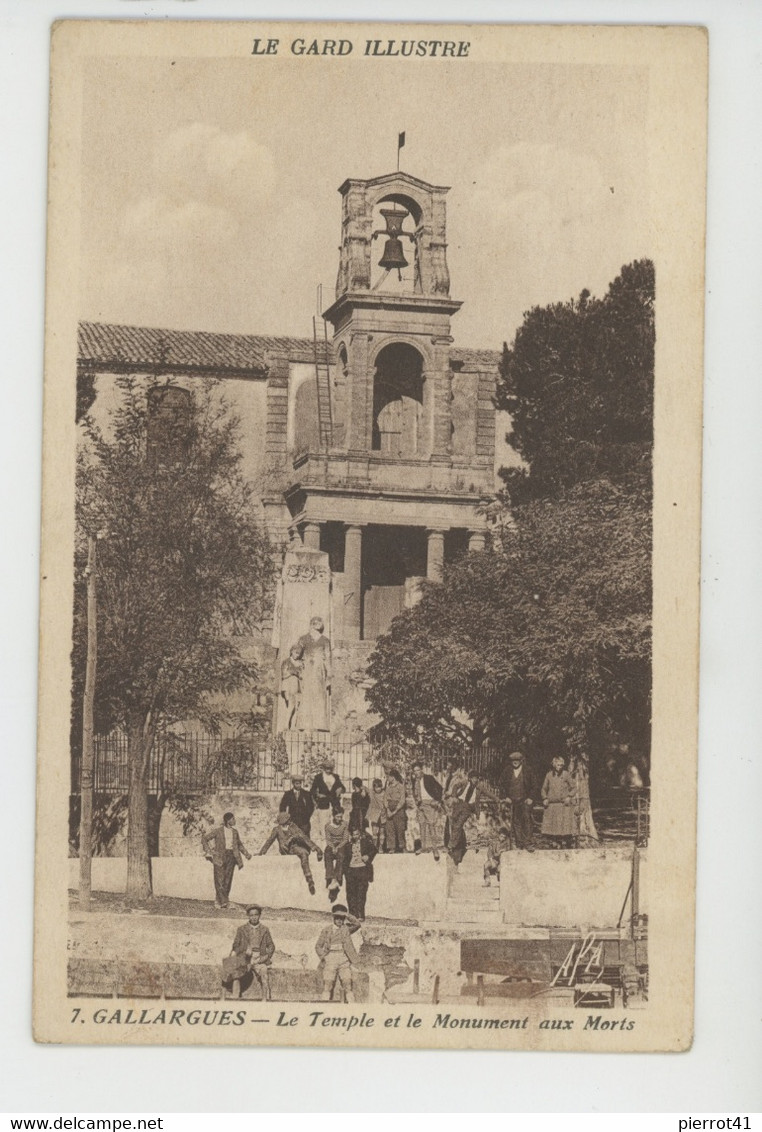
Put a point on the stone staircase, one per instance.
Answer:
(469, 902)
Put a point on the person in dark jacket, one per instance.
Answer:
(292, 841)
(518, 787)
(224, 848)
(360, 800)
(462, 806)
(357, 861)
(326, 790)
(298, 804)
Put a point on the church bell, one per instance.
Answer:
(393, 256)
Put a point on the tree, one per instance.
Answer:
(546, 645)
(544, 641)
(184, 570)
(578, 383)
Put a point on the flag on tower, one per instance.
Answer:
(401, 140)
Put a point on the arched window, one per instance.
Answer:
(398, 401)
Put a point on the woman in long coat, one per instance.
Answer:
(558, 800)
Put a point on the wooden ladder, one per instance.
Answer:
(321, 351)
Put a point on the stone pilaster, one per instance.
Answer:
(353, 583)
(359, 395)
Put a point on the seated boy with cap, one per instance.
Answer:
(254, 945)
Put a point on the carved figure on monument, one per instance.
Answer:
(291, 671)
(315, 706)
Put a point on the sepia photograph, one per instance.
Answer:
(369, 631)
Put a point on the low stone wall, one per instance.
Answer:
(406, 887)
(576, 888)
(255, 815)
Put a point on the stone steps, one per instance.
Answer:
(459, 912)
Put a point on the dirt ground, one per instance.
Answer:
(203, 909)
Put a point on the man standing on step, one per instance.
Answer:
(462, 806)
(326, 790)
(517, 786)
(224, 848)
(337, 953)
(428, 794)
(292, 841)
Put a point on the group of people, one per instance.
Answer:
(425, 814)
(253, 949)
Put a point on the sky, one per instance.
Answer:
(209, 186)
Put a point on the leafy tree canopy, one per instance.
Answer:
(578, 383)
(548, 642)
(184, 571)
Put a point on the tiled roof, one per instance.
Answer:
(134, 346)
(478, 359)
(130, 347)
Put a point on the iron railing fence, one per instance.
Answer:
(197, 762)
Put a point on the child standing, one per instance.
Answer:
(501, 843)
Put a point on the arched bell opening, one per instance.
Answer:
(398, 401)
(394, 247)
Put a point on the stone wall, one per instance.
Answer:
(576, 888)
(406, 887)
(255, 816)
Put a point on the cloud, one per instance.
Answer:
(554, 221)
(540, 188)
(202, 162)
(193, 238)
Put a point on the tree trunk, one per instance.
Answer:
(138, 856)
(155, 813)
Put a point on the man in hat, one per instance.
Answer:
(292, 841)
(298, 804)
(428, 797)
(357, 865)
(326, 790)
(462, 805)
(337, 953)
(224, 848)
(254, 944)
(517, 786)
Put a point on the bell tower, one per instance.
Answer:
(391, 318)
(392, 486)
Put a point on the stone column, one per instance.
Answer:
(353, 582)
(476, 540)
(312, 536)
(435, 555)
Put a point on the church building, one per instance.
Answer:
(372, 443)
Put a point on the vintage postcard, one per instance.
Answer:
(370, 572)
